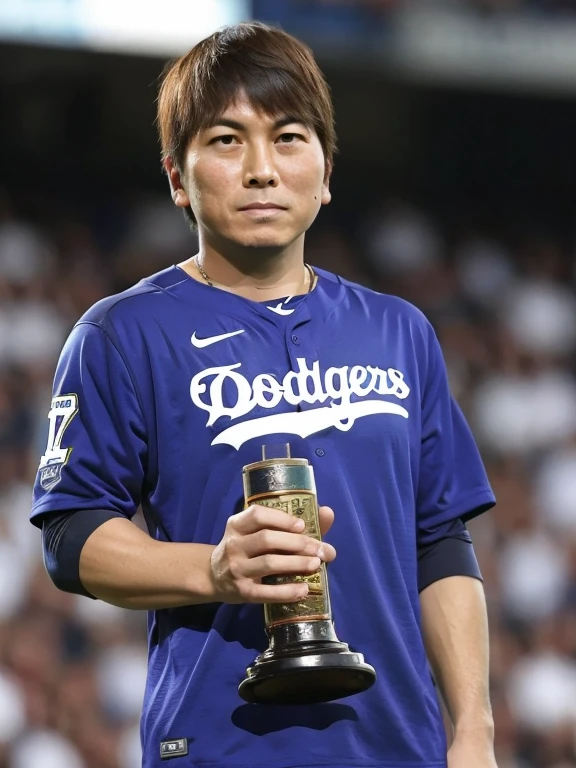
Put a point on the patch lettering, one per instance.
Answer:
(174, 748)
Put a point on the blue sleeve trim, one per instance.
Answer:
(470, 506)
(46, 507)
(63, 537)
(482, 502)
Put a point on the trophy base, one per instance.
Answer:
(297, 668)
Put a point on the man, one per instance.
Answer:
(164, 392)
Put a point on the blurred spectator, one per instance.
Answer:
(485, 271)
(12, 710)
(533, 574)
(542, 683)
(541, 317)
(523, 411)
(555, 489)
(401, 240)
(25, 253)
(46, 749)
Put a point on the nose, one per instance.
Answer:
(259, 167)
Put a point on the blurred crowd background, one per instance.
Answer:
(454, 188)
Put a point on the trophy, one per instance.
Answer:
(305, 663)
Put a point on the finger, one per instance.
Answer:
(276, 593)
(279, 542)
(326, 516)
(256, 518)
(327, 553)
(275, 565)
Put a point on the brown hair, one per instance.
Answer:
(276, 71)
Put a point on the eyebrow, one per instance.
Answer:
(223, 122)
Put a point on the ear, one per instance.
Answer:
(326, 194)
(179, 194)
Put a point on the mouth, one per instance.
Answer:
(262, 207)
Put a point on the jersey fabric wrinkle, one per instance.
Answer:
(355, 381)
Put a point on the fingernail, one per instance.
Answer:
(320, 552)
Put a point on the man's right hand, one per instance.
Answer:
(264, 541)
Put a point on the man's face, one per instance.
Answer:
(254, 179)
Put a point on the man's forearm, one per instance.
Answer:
(122, 565)
(455, 631)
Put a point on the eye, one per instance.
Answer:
(227, 139)
(290, 138)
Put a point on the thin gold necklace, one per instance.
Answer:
(311, 274)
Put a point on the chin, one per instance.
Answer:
(264, 243)
(270, 240)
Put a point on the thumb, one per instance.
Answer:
(326, 516)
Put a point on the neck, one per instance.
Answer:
(259, 274)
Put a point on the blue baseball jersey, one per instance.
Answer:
(165, 391)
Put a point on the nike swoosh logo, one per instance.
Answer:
(278, 308)
(201, 343)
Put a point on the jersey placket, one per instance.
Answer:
(300, 344)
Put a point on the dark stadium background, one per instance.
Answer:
(454, 186)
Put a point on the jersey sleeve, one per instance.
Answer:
(452, 481)
(96, 451)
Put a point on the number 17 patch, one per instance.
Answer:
(62, 411)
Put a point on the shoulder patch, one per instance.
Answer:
(62, 411)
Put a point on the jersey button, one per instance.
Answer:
(295, 339)
(319, 451)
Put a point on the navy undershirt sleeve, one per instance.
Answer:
(63, 536)
(450, 554)
(65, 533)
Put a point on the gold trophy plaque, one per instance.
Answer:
(305, 663)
